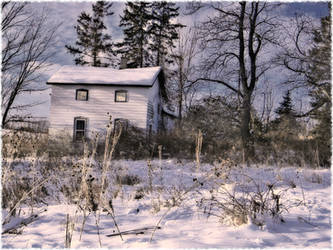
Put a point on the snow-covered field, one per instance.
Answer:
(183, 203)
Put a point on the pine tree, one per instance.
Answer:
(319, 81)
(319, 78)
(286, 106)
(135, 21)
(163, 31)
(93, 47)
(286, 122)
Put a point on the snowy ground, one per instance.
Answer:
(180, 201)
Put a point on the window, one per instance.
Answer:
(80, 125)
(120, 96)
(81, 95)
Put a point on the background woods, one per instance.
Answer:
(220, 71)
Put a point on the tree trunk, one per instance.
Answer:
(180, 94)
(245, 128)
(247, 92)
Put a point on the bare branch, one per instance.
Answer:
(218, 81)
(26, 50)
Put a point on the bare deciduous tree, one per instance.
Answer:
(297, 57)
(294, 49)
(235, 38)
(26, 42)
(310, 68)
(184, 56)
(267, 104)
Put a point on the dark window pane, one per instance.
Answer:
(79, 135)
(80, 124)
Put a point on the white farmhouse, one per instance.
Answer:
(83, 98)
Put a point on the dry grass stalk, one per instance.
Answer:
(150, 175)
(24, 196)
(91, 197)
(160, 155)
(34, 173)
(198, 148)
(11, 149)
(85, 191)
(110, 145)
(160, 162)
(69, 231)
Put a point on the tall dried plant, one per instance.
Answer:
(160, 162)
(17, 197)
(111, 141)
(90, 200)
(150, 175)
(198, 148)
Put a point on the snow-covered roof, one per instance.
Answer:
(105, 76)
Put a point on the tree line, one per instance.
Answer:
(235, 48)
(148, 34)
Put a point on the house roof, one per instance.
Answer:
(105, 76)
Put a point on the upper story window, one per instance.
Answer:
(121, 96)
(81, 95)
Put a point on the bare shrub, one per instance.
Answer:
(63, 145)
(94, 194)
(18, 144)
(18, 189)
(132, 144)
(29, 124)
(313, 177)
(128, 179)
(13, 190)
(139, 193)
(222, 168)
(238, 203)
(178, 144)
(279, 144)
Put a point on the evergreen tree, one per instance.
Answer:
(319, 78)
(135, 21)
(319, 81)
(286, 106)
(286, 122)
(283, 136)
(93, 47)
(163, 32)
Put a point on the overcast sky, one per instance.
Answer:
(67, 13)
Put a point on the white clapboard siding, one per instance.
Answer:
(64, 107)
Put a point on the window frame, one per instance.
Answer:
(76, 94)
(75, 130)
(120, 91)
